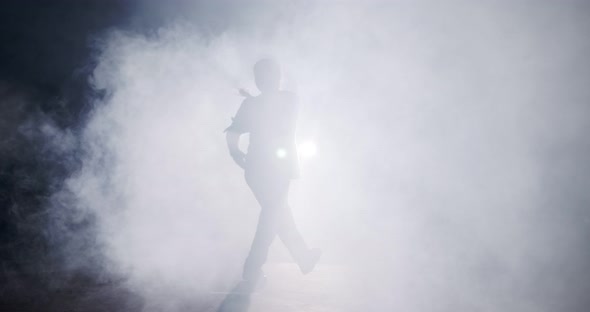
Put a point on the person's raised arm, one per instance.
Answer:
(233, 144)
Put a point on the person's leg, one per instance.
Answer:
(270, 195)
(287, 230)
(290, 235)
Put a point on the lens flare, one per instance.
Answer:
(307, 149)
(281, 153)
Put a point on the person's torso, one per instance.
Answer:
(272, 144)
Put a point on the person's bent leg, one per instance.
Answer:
(290, 235)
(306, 258)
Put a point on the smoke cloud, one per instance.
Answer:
(447, 134)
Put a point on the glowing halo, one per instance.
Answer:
(307, 149)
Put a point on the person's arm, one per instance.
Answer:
(233, 144)
(239, 126)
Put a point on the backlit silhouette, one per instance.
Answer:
(270, 164)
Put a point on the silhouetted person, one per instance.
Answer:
(270, 163)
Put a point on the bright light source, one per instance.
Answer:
(307, 149)
(281, 153)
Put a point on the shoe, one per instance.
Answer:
(310, 260)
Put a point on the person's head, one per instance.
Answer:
(267, 74)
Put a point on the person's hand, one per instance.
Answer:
(239, 158)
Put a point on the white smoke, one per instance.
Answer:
(427, 126)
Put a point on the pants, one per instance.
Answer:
(276, 218)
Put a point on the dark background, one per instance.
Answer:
(46, 57)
